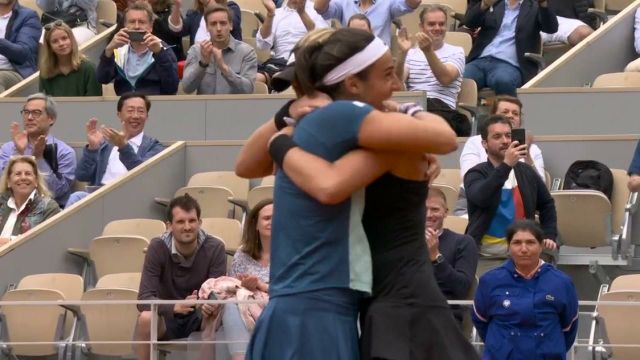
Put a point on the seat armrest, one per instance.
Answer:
(83, 253)
(259, 16)
(243, 204)
(162, 201)
(537, 59)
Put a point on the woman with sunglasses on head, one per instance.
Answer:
(63, 70)
(25, 200)
(407, 317)
(87, 11)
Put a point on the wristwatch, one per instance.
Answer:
(439, 260)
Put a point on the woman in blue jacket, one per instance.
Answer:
(526, 309)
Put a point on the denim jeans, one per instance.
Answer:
(494, 73)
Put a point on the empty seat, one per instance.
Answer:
(260, 88)
(626, 282)
(108, 322)
(238, 186)
(70, 285)
(147, 228)
(449, 177)
(117, 254)
(24, 323)
(621, 79)
(459, 38)
(614, 326)
(121, 280)
(229, 230)
(249, 23)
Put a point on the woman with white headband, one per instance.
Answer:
(324, 262)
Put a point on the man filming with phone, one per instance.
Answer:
(502, 190)
(136, 60)
(221, 65)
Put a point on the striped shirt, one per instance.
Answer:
(420, 77)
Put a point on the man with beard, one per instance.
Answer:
(502, 190)
(175, 266)
(221, 65)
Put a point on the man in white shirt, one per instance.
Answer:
(282, 29)
(110, 153)
(434, 66)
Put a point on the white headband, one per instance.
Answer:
(357, 62)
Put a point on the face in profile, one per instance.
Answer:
(380, 82)
(22, 179)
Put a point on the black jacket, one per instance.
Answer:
(483, 186)
(531, 20)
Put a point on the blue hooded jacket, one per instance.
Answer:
(20, 43)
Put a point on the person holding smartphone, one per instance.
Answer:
(137, 60)
(503, 190)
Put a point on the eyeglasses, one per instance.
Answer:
(57, 23)
(36, 113)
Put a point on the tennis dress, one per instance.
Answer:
(407, 316)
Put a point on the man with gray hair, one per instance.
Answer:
(56, 160)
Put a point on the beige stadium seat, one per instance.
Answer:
(626, 282)
(251, 5)
(458, 38)
(70, 285)
(617, 324)
(213, 200)
(32, 323)
(258, 194)
(108, 322)
(468, 102)
(467, 323)
(615, 6)
(621, 79)
(121, 280)
(107, 13)
(228, 230)
(450, 193)
(456, 223)
(108, 90)
(249, 23)
(262, 55)
(238, 186)
(117, 254)
(147, 228)
(260, 88)
(449, 177)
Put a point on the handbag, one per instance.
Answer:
(73, 16)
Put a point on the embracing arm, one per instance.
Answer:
(332, 183)
(254, 160)
(394, 131)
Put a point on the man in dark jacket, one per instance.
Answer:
(505, 189)
(145, 64)
(20, 32)
(508, 30)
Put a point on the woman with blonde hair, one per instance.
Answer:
(63, 70)
(25, 200)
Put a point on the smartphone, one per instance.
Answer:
(136, 36)
(519, 135)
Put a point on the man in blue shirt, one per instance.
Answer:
(380, 13)
(508, 30)
(39, 114)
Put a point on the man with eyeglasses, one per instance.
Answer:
(110, 153)
(20, 31)
(38, 116)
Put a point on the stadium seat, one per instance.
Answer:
(621, 79)
(70, 285)
(449, 177)
(456, 223)
(111, 255)
(25, 323)
(147, 228)
(626, 282)
(213, 200)
(268, 180)
(228, 230)
(121, 280)
(107, 14)
(251, 5)
(458, 38)
(249, 23)
(260, 88)
(611, 325)
(258, 194)
(262, 55)
(238, 186)
(107, 323)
